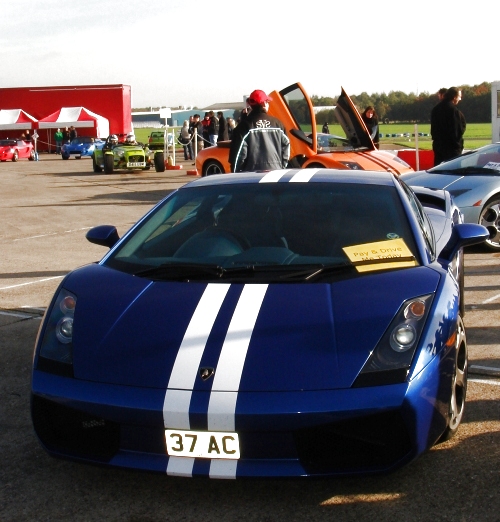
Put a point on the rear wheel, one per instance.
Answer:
(15, 156)
(108, 163)
(211, 167)
(159, 162)
(490, 218)
(458, 385)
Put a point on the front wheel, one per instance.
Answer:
(211, 167)
(159, 162)
(15, 156)
(490, 218)
(97, 168)
(458, 385)
(32, 156)
(314, 166)
(108, 163)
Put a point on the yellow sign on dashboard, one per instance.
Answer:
(380, 255)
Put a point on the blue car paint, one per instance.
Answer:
(124, 353)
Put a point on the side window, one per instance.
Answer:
(422, 219)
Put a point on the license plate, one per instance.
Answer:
(136, 164)
(203, 444)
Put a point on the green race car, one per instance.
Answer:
(128, 155)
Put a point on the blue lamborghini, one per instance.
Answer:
(275, 324)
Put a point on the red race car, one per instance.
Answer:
(16, 149)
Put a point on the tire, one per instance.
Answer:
(97, 168)
(160, 162)
(109, 163)
(15, 156)
(64, 157)
(315, 166)
(458, 385)
(211, 167)
(32, 156)
(490, 218)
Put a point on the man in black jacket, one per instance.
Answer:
(259, 142)
(447, 127)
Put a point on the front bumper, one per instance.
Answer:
(285, 434)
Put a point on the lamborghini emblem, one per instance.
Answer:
(206, 373)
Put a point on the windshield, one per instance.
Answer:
(484, 159)
(4, 143)
(248, 227)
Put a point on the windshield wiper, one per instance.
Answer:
(182, 271)
(275, 273)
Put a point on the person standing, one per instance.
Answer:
(213, 128)
(66, 138)
(325, 129)
(259, 142)
(58, 137)
(198, 126)
(447, 127)
(223, 130)
(72, 133)
(370, 119)
(186, 141)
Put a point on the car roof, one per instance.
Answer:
(363, 177)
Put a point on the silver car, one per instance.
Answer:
(473, 179)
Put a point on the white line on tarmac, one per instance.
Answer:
(31, 282)
(52, 234)
(494, 298)
(485, 381)
(13, 314)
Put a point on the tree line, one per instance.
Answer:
(398, 106)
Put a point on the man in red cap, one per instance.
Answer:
(259, 142)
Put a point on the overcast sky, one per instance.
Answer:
(200, 52)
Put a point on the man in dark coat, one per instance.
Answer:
(447, 127)
(259, 142)
(223, 131)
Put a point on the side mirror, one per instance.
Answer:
(104, 235)
(462, 235)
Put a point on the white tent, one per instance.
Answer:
(78, 117)
(16, 119)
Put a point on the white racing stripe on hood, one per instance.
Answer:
(222, 405)
(304, 175)
(180, 466)
(273, 176)
(185, 370)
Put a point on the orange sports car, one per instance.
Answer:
(310, 149)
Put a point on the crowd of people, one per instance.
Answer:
(209, 131)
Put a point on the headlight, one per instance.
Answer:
(120, 153)
(390, 361)
(353, 165)
(56, 346)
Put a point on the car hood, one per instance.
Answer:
(430, 180)
(277, 337)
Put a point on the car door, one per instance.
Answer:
(351, 122)
(293, 107)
